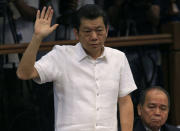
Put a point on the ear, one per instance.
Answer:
(139, 109)
(107, 30)
(76, 33)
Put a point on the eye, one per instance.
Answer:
(99, 30)
(86, 31)
(151, 106)
(163, 108)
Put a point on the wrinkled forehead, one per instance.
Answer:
(96, 21)
(157, 97)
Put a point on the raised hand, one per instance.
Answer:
(43, 26)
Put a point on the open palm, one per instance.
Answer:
(43, 26)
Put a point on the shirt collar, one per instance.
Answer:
(82, 54)
(147, 129)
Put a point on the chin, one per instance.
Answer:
(155, 126)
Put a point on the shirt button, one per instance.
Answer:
(97, 94)
(97, 109)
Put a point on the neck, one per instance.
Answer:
(155, 129)
(151, 128)
(95, 54)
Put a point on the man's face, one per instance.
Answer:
(92, 34)
(154, 112)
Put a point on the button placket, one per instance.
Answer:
(98, 105)
(96, 77)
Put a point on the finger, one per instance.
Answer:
(43, 12)
(38, 14)
(48, 13)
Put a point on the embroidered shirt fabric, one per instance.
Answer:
(86, 91)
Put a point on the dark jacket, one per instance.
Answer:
(138, 126)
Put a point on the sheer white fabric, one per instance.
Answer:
(86, 90)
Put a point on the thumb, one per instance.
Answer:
(54, 27)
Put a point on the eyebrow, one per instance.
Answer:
(89, 28)
(155, 104)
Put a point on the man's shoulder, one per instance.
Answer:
(138, 126)
(64, 48)
(113, 51)
(168, 127)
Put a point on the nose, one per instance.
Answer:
(157, 111)
(94, 35)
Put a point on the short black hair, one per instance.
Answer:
(145, 91)
(89, 11)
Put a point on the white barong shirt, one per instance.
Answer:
(86, 91)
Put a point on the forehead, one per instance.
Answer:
(156, 97)
(92, 23)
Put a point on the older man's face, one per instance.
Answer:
(154, 112)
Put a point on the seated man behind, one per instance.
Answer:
(153, 109)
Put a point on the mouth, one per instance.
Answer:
(95, 45)
(156, 120)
